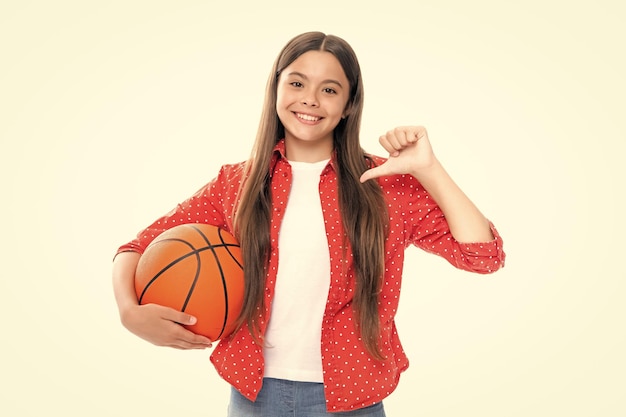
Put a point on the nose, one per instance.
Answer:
(309, 98)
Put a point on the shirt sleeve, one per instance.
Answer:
(428, 229)
(212, 204)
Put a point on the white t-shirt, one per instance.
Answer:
(293, 337)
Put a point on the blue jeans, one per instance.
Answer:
(281, 398)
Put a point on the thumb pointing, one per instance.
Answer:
(370, 174)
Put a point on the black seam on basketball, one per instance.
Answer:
(171, 264)
(227, 247)
(219, 265)
(177, 260)
(195, 280)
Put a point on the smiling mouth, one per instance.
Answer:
(307, 117)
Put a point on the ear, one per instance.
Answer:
(346, 111)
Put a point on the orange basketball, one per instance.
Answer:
(195, 268)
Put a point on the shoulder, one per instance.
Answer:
(232, 171)
(229, 176)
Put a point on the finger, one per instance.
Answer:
(179, 319)
(394, 140)
(418, 133)
(372, 173)
(401, 136)
(389, 143)
(398, 139)
(178, 316)
(191, 337)
(187, 339)
(407, 136)
(185, 345)
(198, 339)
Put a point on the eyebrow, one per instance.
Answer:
(301, 75)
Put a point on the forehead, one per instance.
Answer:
(319, 65)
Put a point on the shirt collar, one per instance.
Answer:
(279, 152)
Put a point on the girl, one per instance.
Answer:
(323, 227)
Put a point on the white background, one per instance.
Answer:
(113, 112)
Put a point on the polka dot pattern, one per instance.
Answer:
(352, 378)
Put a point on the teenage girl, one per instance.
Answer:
(323, 228)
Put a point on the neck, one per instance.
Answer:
(305, 151)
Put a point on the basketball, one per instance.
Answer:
(197, 269)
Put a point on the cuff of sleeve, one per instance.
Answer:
(486, 257)
(129, 247)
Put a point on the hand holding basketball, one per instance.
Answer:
(163, 326)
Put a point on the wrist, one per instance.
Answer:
(430, 172)
(128, 314)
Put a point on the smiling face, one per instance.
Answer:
(312, 95)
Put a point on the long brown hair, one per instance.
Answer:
(363, 208)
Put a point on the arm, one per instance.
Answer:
(467, 224)
(410, 153)
(156, 324)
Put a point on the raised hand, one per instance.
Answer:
(409, 153)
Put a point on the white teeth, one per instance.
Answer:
(307, 117)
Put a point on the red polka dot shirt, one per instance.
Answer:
(352, 379)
